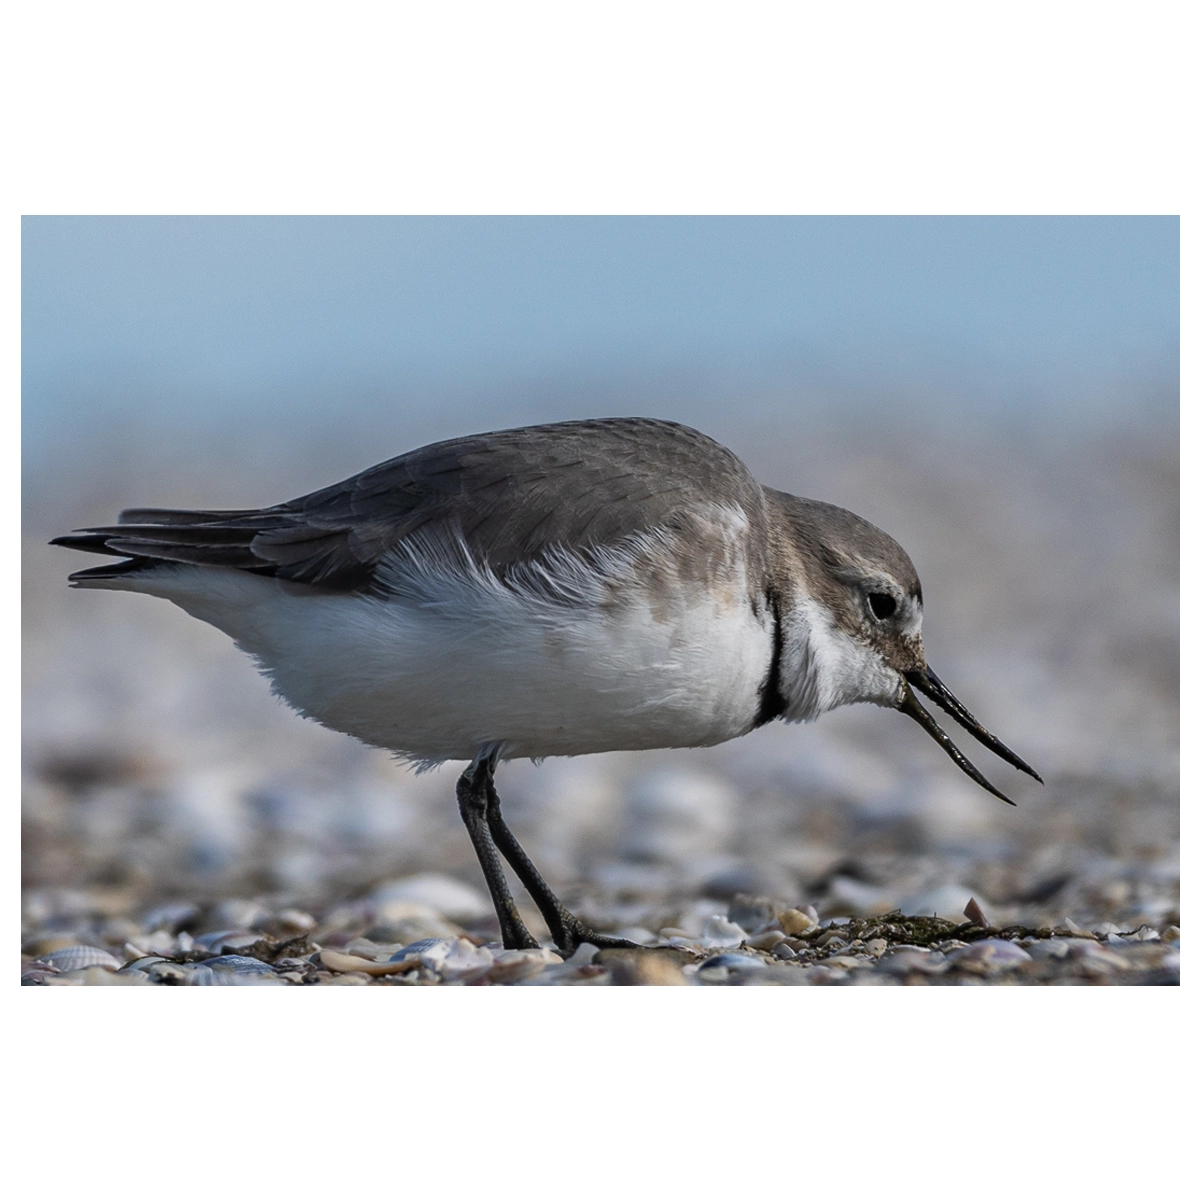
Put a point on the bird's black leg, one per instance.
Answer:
(474, 786)
(567, 929)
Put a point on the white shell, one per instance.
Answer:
(74, 958)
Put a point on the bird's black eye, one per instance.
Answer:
(882, 605)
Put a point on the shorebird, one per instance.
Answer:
(610, 584)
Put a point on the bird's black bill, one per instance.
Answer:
(912, 706)
(942, 696)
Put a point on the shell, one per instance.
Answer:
(228, 940)
(231, 970)
(990, 954)
(728, 968)
(75, 958)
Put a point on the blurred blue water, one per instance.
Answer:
(194, 320)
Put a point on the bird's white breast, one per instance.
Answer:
(572, 656)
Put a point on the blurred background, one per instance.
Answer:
(1001, 395)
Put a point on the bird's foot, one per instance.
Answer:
(575, 933)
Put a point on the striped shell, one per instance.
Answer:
(75, 958)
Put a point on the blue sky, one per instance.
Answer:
(215, 315)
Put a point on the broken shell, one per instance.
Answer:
(511, 966)
(335, 960)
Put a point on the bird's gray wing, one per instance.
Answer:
(510, 495)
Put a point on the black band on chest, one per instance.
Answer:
(771, 703)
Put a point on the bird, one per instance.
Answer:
(618, 583)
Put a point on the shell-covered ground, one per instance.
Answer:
(181, 826)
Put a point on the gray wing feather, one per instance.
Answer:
(510, 495)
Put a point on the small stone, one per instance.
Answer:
(975, 914)
(795, 922)
(830, 939)
(767, 940)
(293, 920)
(1171, 933)
(875, 947)
(783, 950)
(646, 970)
(844, 960)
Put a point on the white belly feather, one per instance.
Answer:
(448, 661)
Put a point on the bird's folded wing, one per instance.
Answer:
(510, 496)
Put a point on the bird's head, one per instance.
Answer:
(852, 618)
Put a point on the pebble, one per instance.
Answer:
(795, 922)
(845, 960)
(767, 940)
(294, 920)
(646, 970)
(831, 939)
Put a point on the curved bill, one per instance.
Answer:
(941, 695)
